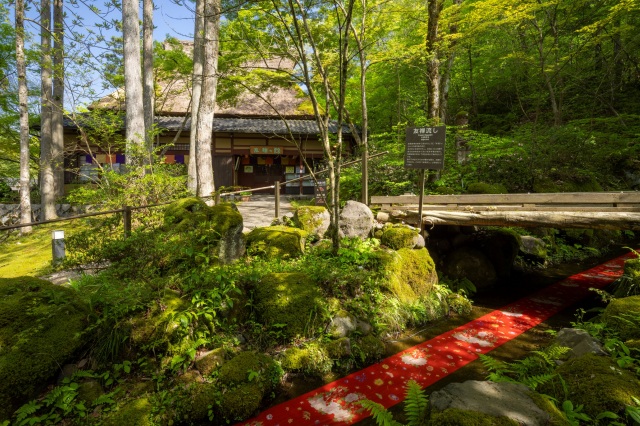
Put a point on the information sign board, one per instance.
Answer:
(425, 148)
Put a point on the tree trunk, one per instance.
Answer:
(25, 195)
(433, 61)
(47, 182)
(198, 46)
(446, 78)
(57, 113)
(134, 132)
(204, 127)
(148, 94)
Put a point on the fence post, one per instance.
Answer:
(126, 218)
(217, 198)
(277, 193)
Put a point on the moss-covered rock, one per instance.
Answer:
(338, 348)
(186, 213)
(313, 219)
(41, 328)
(399, 236)
(597, 383)
(201, 397)
(250, 367)
(277, 241)
(411, 274)
(457, 417)
(292, 299)
(156, 329)
(136, 412)
(472, 264)
(241, 402)
(211, 361)
(311, 359)
(623, 315)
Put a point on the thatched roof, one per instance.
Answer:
(173, 96)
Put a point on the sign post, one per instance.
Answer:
(424, 150)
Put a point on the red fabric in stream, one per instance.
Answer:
(428, 362)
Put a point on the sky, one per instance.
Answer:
(169, 19)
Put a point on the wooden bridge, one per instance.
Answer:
(590, 210)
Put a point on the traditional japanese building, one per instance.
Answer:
(258, 138)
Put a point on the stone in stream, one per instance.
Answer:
(579, 341)
(511, 400)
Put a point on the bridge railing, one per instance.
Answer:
(563, 201)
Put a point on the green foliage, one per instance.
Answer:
(532, 371)
(416, 407)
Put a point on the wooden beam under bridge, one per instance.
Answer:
(552, 219)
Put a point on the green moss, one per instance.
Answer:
(398, 237)
(277, 241)
(312, 359)
(201, 396)
(135, 413)
(486, 188)
(458, 417)
(154, 329)
(186, 213)
(557, 417)
(309, 218)
(241, 402)
(629, 284)
(595, 382)
(370, 347)
(338, 348)
(411, 273)
(41, 327)
(211, 361)
(459, 304)
(89, 392)
(292, 299)
(623, 315)
(224, 216)
(262, 369)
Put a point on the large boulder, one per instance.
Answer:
(313, 219)
(502, 400)
(41, 328)
(292, 299)
(222, 222)
(277, 241)
(473, 264)
(356, 220)
(410, 273)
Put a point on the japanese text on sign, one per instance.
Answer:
(425, 148)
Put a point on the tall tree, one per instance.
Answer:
(135, 129)
(25, 193)
(148, 94)
(433, 60)
(57, 101)
(47, 182)
(198, 52)
(204, 121)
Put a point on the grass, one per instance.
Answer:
(31, 255)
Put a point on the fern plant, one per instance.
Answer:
(532, 371)
(415, 408)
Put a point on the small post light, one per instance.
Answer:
(57, 245)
